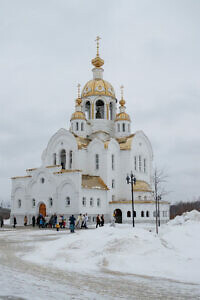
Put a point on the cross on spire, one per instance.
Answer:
(97, 40)
(122, 91)
(78, 86)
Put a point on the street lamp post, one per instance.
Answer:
(159, 198)
(132, 180)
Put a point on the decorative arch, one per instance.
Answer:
(96, 142)
(63, 183)
(40, 172)
(140, 134)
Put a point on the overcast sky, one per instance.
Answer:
(151, 47)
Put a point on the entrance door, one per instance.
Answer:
(118, 215)
(42, 209)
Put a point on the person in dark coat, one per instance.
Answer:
(25, 220)
(98, 221)
(33, 221)
(72, 223)
(14, 222)
(102, 220)
(1, 221)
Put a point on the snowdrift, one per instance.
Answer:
(174, 253)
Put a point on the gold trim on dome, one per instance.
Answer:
(78, 115)
(122, 117)
(98, 87)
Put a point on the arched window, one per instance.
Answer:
(123, 127)
(88, 110)
(113, 161)
(145, 198)
(19, 203)
(147, 214)
(76, 126)
(50, 202)
(142, 214)
(97, 161)
(128, 127)
(99, 109)
(98, 202)
(84, 201)
(134, 214)
(91, 202)
(111, 111)
(118, 127)
(128, 214)
(67, 201)
(70, 159)
(144, 165)
(140, 163)
(63, 158)
(54, 159)
(82, 126)
(33, 202)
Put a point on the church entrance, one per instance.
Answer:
(118, 215)
(42, 209)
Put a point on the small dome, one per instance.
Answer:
(78, 115)
(122, 116)
(98, 87)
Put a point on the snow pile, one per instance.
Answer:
(173, 254)
(193, 215)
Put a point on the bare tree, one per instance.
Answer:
(159, 179)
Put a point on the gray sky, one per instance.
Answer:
(151, 47)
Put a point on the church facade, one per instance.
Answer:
(84, 169)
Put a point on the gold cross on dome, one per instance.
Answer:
(97, 40)
(122, 91)
(78, 86)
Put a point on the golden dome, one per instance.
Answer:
(122, 116)
(98, 87)
(122, 102)
(97, 62)
(78, 115)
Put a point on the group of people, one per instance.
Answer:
(55, 221)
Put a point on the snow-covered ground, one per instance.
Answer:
(172, 255)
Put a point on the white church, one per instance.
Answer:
(84, 169)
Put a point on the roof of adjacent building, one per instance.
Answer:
(93, 182)
(142, 186)
(124, 142)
